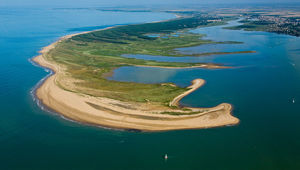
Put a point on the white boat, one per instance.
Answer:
(166, 156)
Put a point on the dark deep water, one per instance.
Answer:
(261, 88)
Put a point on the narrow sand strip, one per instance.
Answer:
(197, 83)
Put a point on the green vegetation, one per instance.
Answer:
(252, 25)
(90, 57)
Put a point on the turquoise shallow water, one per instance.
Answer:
(261, 91)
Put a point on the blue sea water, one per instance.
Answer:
(261, 88)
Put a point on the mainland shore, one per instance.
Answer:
(125, 115)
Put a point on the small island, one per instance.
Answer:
(79, 89)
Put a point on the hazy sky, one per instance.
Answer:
(86, 3)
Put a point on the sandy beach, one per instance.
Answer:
(125, 115)
(197, 83)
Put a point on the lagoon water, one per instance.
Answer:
(261, 88)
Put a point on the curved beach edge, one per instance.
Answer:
(112, 113)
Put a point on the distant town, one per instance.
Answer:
(254, 19)
(275, 23)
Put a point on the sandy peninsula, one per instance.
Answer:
(107, 112)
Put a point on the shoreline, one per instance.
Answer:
(196, 84)
(207, 66)
(105, 112)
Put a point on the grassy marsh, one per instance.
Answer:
(89, 57)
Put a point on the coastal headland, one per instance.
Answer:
(78, 88)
